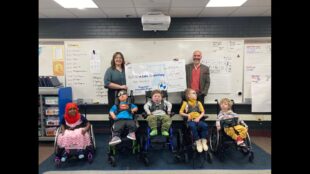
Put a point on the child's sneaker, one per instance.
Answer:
(64, 156)
(115, 140)
(81, 154)
(240, 142)
(204, 144)
(63, 159)
(165, 133)
(153, 132)
(199, 146)
(131, 136)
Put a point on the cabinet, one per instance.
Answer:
(52, 103)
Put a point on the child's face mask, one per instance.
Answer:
(156, 98)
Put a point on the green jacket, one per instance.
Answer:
(204, 77)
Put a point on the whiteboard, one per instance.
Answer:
(224, 59)
(257, 60)
(261, 92)
(47, 55)
(216, 52)
(84, 71)
(163, 75)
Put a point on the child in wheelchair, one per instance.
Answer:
(122, 114)
(233, 127)
(194, 111)
(158, 109)
(74, 134)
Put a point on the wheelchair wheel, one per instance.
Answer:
(248, 141)
(251, 157)
(112, 161)
(57, 162)
(180, 142)
(209, 157)
(92, 137)
(142, 143)
(146, 161)
(221, 156)
(214, 140)
(90, 157)
(55, 141)
(186, 158)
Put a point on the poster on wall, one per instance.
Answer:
(58, 67)
(165, 75)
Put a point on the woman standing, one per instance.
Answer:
(114, 77)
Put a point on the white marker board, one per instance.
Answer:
(218, 52)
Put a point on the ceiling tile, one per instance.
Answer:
(57, 13)
(188, 3)
(257, 3)
(185, 12)
(120, 12)
(88, 13)
(217, 11)
(142, 11)
(48, 4)
(151, 3)
(249, 11)
(114, 3)
(267, 13)
(42, 15)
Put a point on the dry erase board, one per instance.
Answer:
(257, 60)
(85, 71)
(257, 76)
(51, 60)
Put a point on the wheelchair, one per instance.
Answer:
(220, 141)
(187, 146)
(88, 152)
(148, 142)
(127, 146)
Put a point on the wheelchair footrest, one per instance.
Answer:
(158, 139)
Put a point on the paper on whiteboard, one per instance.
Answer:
(252, 70)
(261, 92)
(258, 54)
(257, 61)
(58, 53)
(95, 63)
(40, 50)
(166, 75)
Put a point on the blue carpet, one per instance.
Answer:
(159, 160)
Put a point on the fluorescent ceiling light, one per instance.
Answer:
(225, 3)
(80, 4)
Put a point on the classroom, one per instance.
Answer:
(154, 86)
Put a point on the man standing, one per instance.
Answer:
(198, 76)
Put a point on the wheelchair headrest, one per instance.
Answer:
(183, 96)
